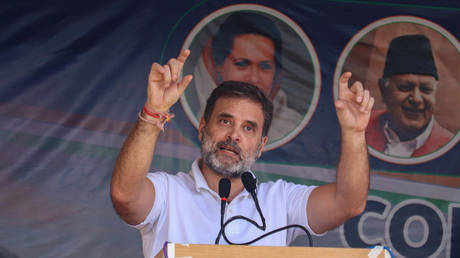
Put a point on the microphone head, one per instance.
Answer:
(249, 182)
(224, 188)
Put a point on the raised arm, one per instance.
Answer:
(132, 193)
(331, 205)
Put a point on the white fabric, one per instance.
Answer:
(284, 120)
(187, 211)
(396, 147)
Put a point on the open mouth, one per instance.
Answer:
(229, 149)
(413, 110)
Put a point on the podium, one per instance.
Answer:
(172, 250)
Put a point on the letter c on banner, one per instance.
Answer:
(353, 233)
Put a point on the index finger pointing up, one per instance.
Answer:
(183, 56)
(343, 83)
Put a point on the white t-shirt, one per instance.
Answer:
(187, 211)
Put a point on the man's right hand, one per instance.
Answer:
(132, 193)
(164, 87)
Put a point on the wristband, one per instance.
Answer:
(159, 120)
(163, 116)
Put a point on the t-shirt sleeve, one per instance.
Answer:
(297, 199)
(159, 181)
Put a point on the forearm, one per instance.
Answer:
(134, 161)
(132, 193)
(353, 172)
(332, 204)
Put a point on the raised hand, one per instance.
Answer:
(164, 87)
(353, 106)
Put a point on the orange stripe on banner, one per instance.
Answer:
(450, 181)
(171, 135)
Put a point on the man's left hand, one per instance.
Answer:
(353, 106)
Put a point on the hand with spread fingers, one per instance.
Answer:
(353, 105)
(164, 84)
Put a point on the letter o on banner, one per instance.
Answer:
(415, 228)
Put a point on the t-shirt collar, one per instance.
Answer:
(200, 181)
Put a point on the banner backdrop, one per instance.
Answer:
(73, 79)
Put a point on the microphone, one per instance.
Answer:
(224, 192)
(249, 183)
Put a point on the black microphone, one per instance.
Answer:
(249, 183)
(224, 192)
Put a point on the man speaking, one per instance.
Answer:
(185, 207)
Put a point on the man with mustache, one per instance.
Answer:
(248, 47)
(408, 86)
(185, 208)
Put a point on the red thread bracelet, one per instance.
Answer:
(164, 117)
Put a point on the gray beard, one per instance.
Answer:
(209, 154)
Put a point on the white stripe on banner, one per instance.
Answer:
(172, 150)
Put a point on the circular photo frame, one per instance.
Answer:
(409, 65)
(261, 46)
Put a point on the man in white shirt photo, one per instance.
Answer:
(185, 207)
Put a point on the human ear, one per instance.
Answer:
(201, 127)
(264, 141)
(384, 88)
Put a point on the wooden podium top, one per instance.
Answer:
(172, 250)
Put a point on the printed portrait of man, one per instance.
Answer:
(409, 67)
(250, 46)
(408, 87)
